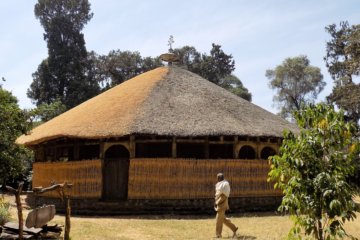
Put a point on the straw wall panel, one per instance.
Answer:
(86, 177)
(191, 179)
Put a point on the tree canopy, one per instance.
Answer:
(313, 170)
(234, 85)
(45, 112)
(217, 67)
(212, 67)
(296, 83)
(343, 63)
(119, 66)
(66, 73)
(73, 75)
(13, 123)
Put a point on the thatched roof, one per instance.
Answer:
(165, 101)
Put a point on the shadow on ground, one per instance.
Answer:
(241, 237)
(193, 216)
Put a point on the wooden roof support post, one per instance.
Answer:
(65, 197)
(207, 149)
(18, 206)
(257, 150)
(67, 216)
(173, 147)
(132, 146)
(235, 152)
(39, 152)
(102, 159)
(102, 150)
(77, 151)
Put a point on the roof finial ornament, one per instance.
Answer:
(170, 57)
(170, 43)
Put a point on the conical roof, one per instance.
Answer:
(165, 101)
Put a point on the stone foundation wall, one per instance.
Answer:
(151, 206)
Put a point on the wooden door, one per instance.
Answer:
(116, 173)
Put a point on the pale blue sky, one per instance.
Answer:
(259, 34)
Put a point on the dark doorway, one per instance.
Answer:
(116, 173)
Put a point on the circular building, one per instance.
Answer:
(156, 142)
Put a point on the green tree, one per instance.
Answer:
(149, 63)
(65, 74)
(343, 63)
(119, 66)
(13, 122)
(213, 67)
(45, 112)
(216, 67)
(296, 82)
(189, 57)
(43, 88)
(313, 170)
(352, 50)
(234, 85)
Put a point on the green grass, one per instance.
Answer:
(251, 226)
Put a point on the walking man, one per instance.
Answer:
(222, 193)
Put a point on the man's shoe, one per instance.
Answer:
(234, 233)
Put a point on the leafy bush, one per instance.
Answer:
(4, 211)
(314, 169)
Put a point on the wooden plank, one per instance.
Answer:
(15, 227)
(153, 141)
(11, 235)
